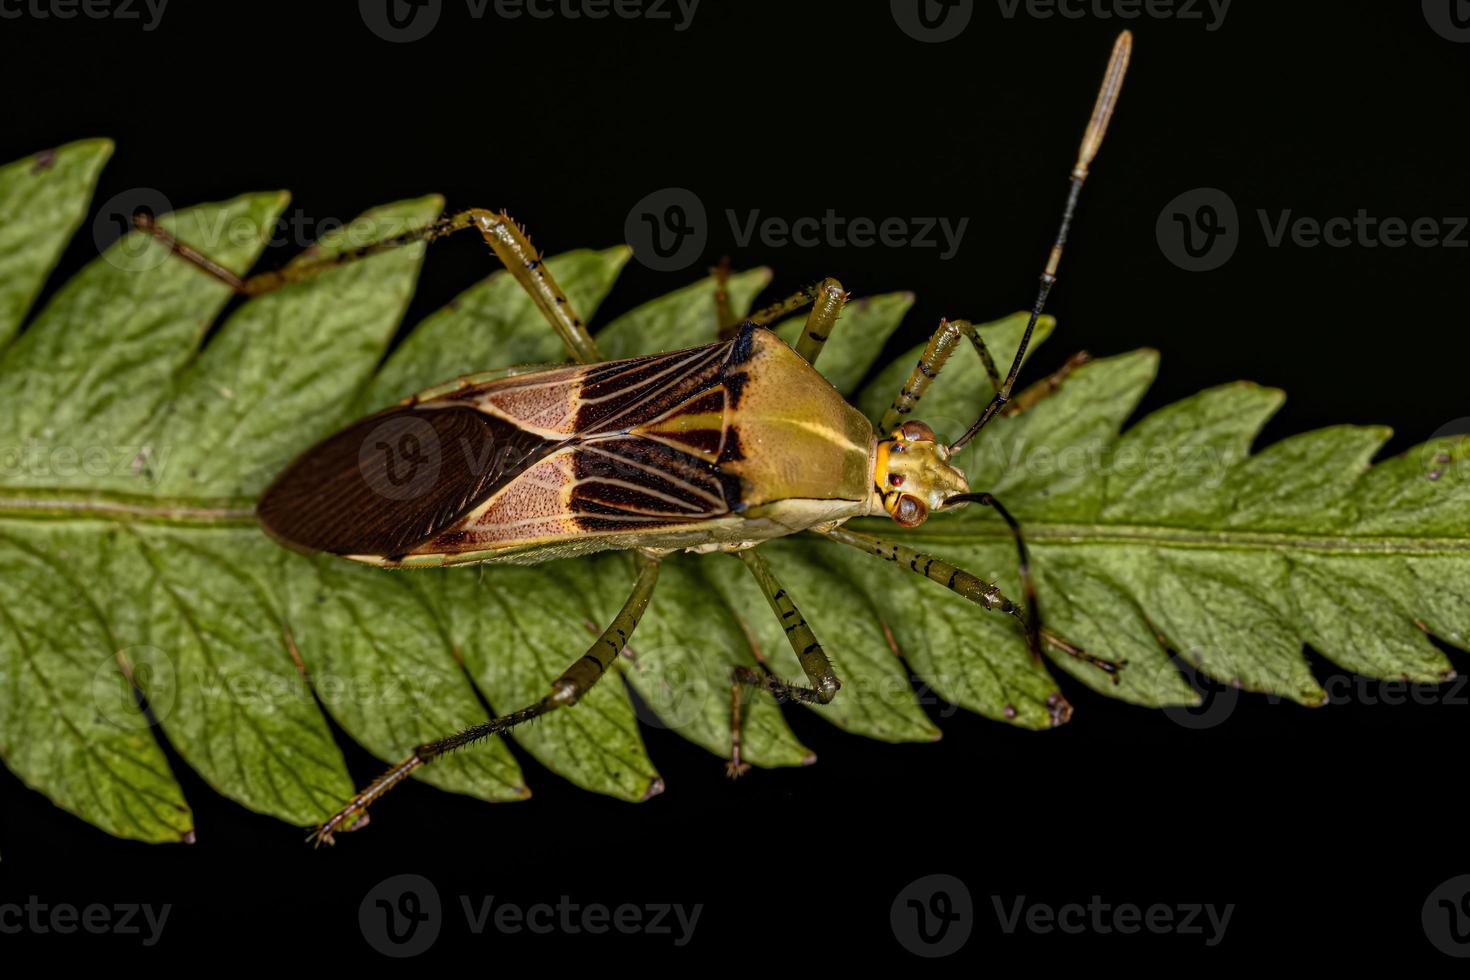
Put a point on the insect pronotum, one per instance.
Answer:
(715, 448)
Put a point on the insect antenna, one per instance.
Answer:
(1097, 126)
(1030, 616)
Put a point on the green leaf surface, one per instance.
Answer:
(684, 318)
(492, 324)
(140, 432)
(42, 201)
(851, 352)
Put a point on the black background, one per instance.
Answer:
(1326, 828)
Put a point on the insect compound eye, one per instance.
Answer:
(895, 479)
(910, 511)
(916, 431)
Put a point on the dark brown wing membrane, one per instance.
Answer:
(396, 479)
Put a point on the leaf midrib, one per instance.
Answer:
(51, 504)
(1214, 540)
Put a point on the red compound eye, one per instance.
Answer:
(910, 512)
(914, 430)
(895, 479)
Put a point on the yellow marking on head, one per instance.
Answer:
(912, 474)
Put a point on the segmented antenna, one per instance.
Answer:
(1097, 127)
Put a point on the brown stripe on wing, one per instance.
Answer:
(630, 397)
(572, 400)
(396, 479)
(639, 481)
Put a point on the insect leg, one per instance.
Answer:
(941, 345)
(725, 323)
(505, 238)
(975, 589)
(826, 299)
(826, 308)
(814, 662)
(566, 690)
(1041, 390)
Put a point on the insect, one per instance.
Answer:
(715, 448)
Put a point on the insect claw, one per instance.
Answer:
(734, 770)
(320, 836)
(327, 832)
